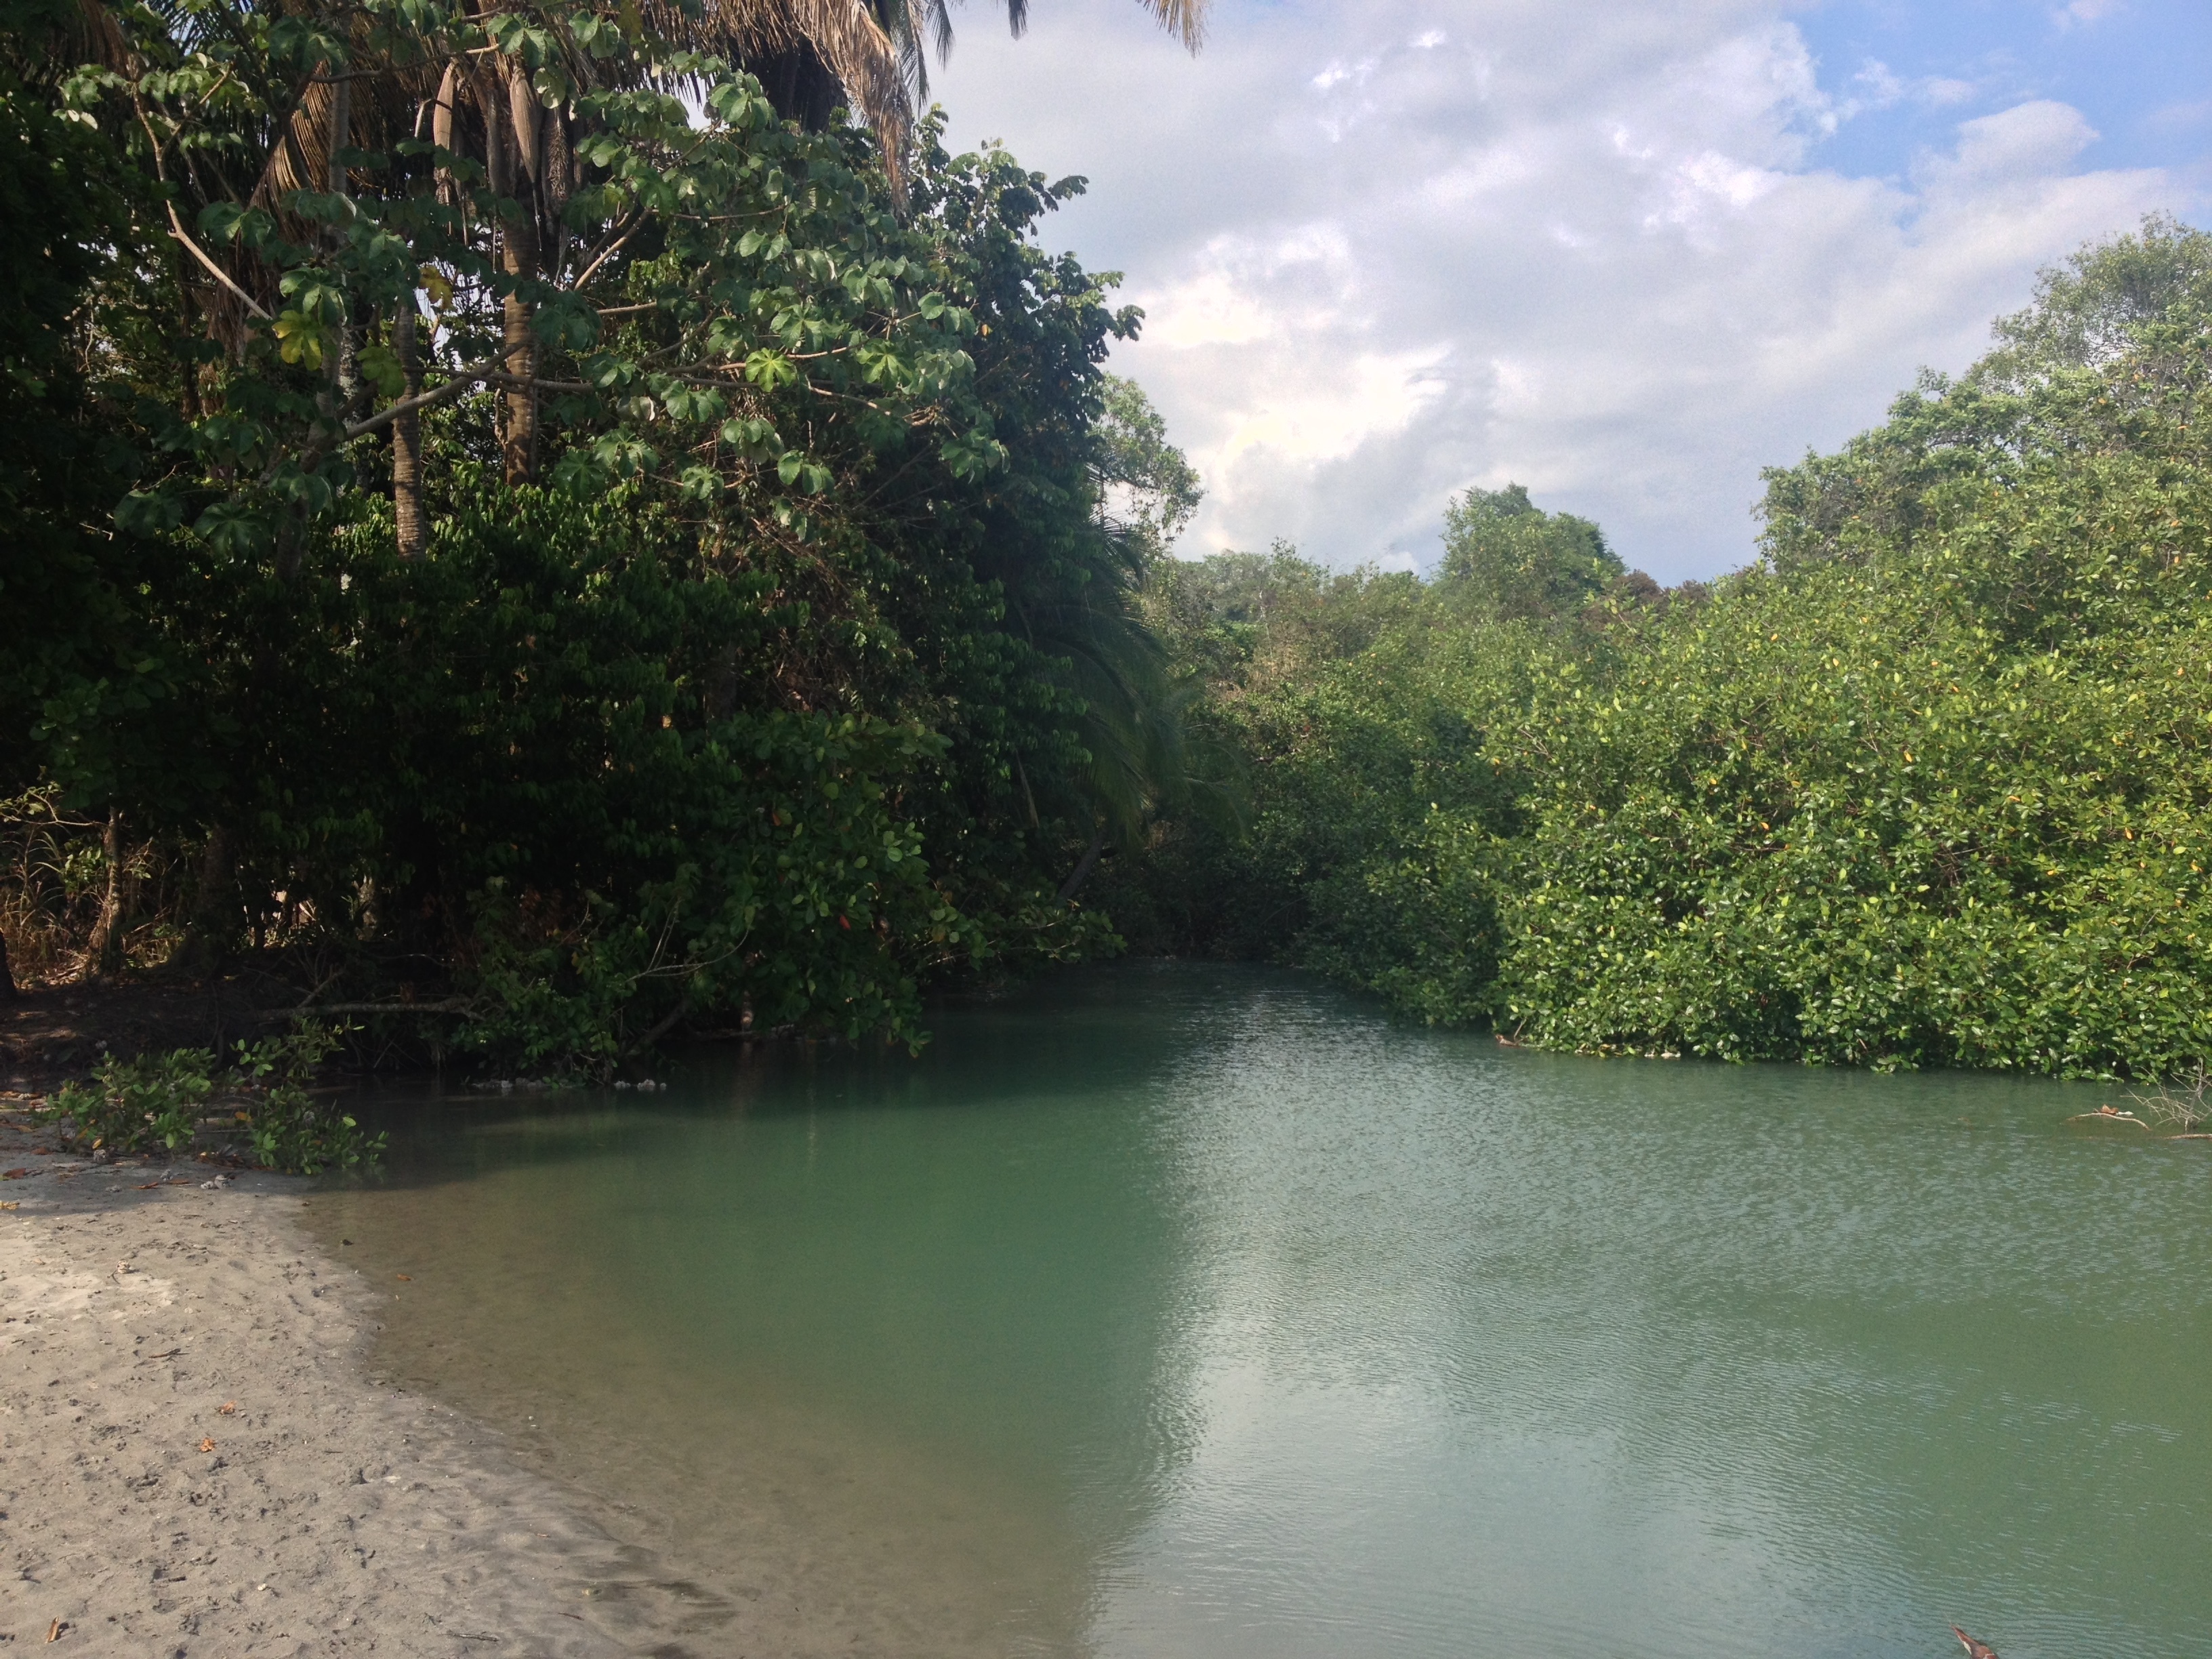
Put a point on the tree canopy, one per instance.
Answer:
(508, 518)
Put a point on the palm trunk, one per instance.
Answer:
(518, 438)
(407, 440)
(513, 133)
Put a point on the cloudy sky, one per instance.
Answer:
(1624, 252)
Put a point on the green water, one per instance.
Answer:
(1177, 1311)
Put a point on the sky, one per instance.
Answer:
(1625, 253)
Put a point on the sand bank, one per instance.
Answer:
(193, 1460)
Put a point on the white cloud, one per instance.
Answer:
(1584, 247)
(1337, 73)
(2078, 13)
(2032, 142)
(1879, 88)
(1876, 86)
(1943, 91)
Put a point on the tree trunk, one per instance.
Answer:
(213, 929)
(1084, 865)
(441, 130)
(8, 991)
(518, 438)
(512, 133)
(103, 952)
(407, 440)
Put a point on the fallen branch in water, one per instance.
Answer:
(2108, 1115)
(2114, 1115)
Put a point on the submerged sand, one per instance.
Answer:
(194, 1460)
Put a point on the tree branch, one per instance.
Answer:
(177, 230)
(450, 1005)
(660, 1030)
(177, 225)
(608, 253)
(542, 385)
(463, 379)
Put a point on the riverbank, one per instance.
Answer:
(50, 1034)
(195, 1459)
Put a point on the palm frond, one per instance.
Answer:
(1184, 17)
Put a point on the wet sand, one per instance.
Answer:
(195, 1459)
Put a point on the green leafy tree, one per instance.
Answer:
(1508, 560)
(759, 692)
(1150, 482)
(1926, 787)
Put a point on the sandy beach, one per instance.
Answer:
(195, 1461)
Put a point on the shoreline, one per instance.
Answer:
(194, 1459)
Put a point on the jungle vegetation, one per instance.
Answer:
(549, 545)
(539, 532)
(1929, 784)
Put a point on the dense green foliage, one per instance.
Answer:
(1930, 785)
(544, 551)
(557, 560)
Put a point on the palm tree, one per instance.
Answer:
(1146, 763)
(810, 56)
(373, 90)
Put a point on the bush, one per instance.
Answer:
(260, 1107)
(136, 1105)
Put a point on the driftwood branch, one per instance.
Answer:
(450, 1005)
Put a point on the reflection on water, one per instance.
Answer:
(1180, 1311)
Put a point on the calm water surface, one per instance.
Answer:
(1180, 1311)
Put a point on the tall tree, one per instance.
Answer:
(1507, 558)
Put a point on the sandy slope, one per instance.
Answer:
(328, 1516)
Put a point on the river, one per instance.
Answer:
(1173, 1312)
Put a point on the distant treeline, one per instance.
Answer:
(1930, 784)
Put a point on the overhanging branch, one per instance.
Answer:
(462, 381)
